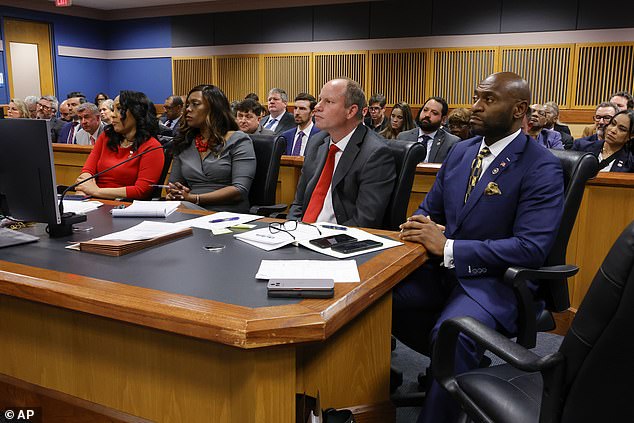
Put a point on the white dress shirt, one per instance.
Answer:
(306, 132)
(327, 213)
(430, 143)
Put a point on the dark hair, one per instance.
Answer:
(408, 121)
(627, 96)
(177, 100)
(442, 101)
(249, 105)
(142, 109)
(97, 97)
(76, 94)
(307, 97)
(630, 115)
(459, 116)
(219, 120)
(606, 104)
(252, 96)
(378, 98)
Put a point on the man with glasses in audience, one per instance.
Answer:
(602, 116)
(47, 109)
(278, 120)
(376, 121)
(173, 110)
(536, 129)
(349, 170)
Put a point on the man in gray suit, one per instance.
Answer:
(349, 171)
(438, 141)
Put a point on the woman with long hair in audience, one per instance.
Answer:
(18, 109)
(133, 131)
(615, 152)
(400, 120)
(214, 162)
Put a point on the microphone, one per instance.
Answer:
(69, 219)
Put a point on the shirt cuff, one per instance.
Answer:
(448, 254)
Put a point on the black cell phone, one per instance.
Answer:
(301, 288)
(329, 241)
(353, 247)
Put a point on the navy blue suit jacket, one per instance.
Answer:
(65, 132)
(290, 138)
(623, 159)
(516, 227)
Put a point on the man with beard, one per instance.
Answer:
(429, 133)
(496, 202)
(297, 138)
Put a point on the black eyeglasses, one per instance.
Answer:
(288, 227)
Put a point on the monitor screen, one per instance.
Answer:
(27, 174)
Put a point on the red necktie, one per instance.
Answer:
(321, 189)
(92, 140)
(71, 135)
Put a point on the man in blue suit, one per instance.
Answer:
(497, 202)
(297, 138)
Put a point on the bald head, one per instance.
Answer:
(500, 104)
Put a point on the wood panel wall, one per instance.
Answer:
(577, 76)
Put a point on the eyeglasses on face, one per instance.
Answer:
(44, 106)
(606, 118)
(374, 109)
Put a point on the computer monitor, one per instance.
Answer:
(27, 175)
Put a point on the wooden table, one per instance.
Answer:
(165, 356)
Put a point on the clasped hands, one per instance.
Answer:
(178, 192)
(423, 230)
(87, 188)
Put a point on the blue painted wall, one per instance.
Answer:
(151, 76)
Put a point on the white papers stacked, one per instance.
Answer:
(339, 271)
(269, 240)
(144, 230)
(81, 207)
(147, 209)
(218, 220)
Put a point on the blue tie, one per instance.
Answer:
(270, 123)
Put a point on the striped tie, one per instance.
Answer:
(476, 171)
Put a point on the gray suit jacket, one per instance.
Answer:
(362, 182)
(443, 141)
(287, 121)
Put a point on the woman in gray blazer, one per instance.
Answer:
(214, 162)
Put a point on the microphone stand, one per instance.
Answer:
(68, 219)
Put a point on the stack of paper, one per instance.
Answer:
(269, 240)
(81, 207)
(146, 209)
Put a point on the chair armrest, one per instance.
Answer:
(267, 210)
(514, 354)
(516, 274)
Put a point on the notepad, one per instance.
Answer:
(147, 209)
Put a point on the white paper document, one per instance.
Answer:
(339, 271)
(359, 234)
(269, 240)
(218, 220)
(144, 230)
(147, 209)
(81, 207)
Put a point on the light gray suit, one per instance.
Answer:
(362, 182)
(442, 142)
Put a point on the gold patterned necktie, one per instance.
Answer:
(476, 171)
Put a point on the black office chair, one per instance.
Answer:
(168, 154)
(268, 154)
(587, 380)
(578, 167)
(407, 155)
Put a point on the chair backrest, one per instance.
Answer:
(599, 347)
(407, 154)
(578, 167)
(168, 154)
(268, 153)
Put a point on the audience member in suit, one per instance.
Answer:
(400, 120)
(545, 137)
(622, 100)
(349, 171)
(552, 115)
(249, 115)
(602, 116)
(436, 139)
(133, 131)
(17, 109)
(173, 110)
(64, 111)
(91, 125)
(497, 202)
(377, 120)
(278, 120)
(67, 133)
(458, 123)
(297, 138)
(106, 109)
(47, 109)
(615, 153)
(214, 163)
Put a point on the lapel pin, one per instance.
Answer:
(503, 164)
(495, 171)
